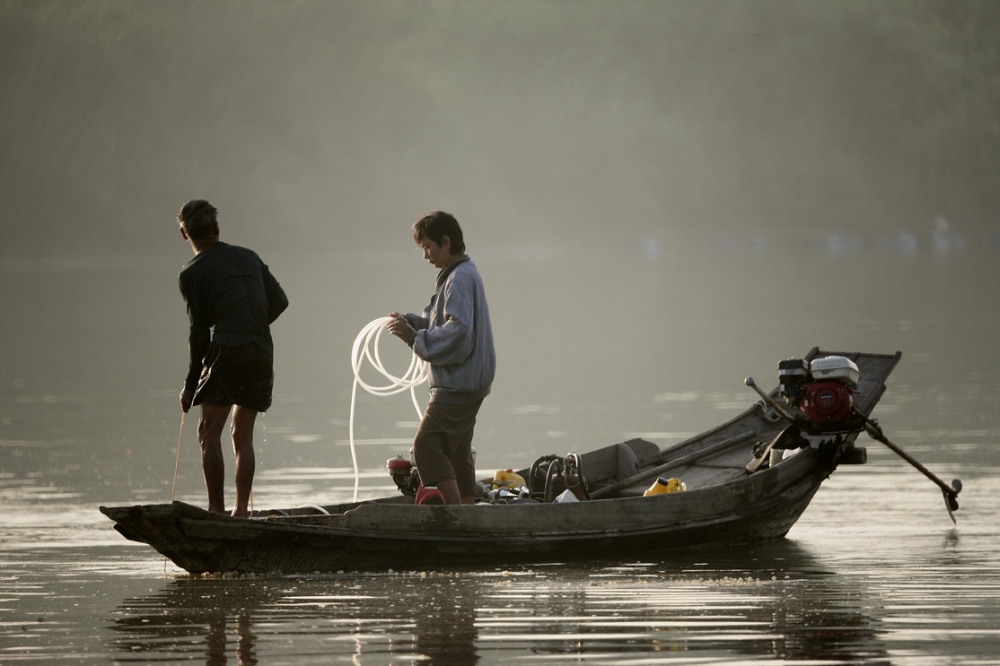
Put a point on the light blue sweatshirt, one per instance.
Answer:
(455, 336)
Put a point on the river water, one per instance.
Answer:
(595, 345)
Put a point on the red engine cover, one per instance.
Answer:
(399, 462)
(827, 402)
(428, 496)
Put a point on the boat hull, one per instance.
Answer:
(736, 494)
(406, 537)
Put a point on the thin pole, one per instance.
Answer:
(177, 463)
(876, 433)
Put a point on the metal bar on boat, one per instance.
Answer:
(950, 492)
(685, 460)
(769, 400)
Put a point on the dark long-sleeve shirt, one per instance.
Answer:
(232, 299)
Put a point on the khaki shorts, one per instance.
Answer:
(443, 445)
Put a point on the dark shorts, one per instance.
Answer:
(442, 447)
(241, 376)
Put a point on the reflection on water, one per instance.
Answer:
(838, 591)
(771, 601)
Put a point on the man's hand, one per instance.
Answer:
(187, 396)
(401, 328)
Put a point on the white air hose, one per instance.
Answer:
(366, 347)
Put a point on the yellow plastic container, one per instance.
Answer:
(507, 479)
(662, 486)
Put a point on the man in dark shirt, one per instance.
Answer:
(232, 299)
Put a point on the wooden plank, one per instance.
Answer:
(679, 462)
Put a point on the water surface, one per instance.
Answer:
(595, 346)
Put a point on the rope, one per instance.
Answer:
(366, 347)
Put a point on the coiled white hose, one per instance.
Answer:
(366, 347)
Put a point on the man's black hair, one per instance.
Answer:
(436, 226)
(198, 217)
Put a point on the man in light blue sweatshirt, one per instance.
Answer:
(455, 337)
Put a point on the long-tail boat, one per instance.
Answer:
(746, 480)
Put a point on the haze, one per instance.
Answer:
(330, 126)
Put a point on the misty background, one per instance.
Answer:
(329, 126)
(662, 197)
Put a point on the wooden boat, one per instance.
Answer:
(737, 491)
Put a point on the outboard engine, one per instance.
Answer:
(823, 389)
(827, 402)
(827, 397)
